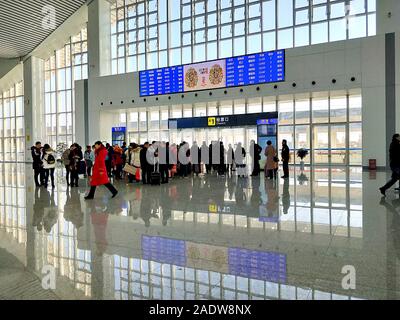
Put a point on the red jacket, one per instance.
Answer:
(100, 175)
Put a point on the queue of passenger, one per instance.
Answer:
(153, 163)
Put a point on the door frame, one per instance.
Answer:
(329, 126)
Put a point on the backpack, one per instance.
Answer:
(50, 159)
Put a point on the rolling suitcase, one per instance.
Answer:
(155, 177)
(81, 167)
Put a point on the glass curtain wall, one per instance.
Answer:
(62, 69)
(12, 126)
(328, 125)
(159, 33)
(13, 201)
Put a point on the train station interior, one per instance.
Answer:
(323, 75)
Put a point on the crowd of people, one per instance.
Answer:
(153, 163)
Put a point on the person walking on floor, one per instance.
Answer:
(255, 153)
(271, 164)
(100, 176)
(285, 154)
(49, 165)
(394, 155)
(65, 160)
(89, 160)
(36, 152)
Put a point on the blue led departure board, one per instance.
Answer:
(252, 69)
(161, 81)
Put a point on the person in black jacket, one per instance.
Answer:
(163, 154)
(255, 153)
(110, 154)
(75, 156)
(221, 165)
(394, 154)
(37, 153)
(144, 165)
(285, 154)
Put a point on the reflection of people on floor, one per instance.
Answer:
(148, 206)
(72, 208)
(272, 198)
(394, 208)
(45, 213)
(218, 192)
(38, 211)
(255, 199)
(134, 199)
(99, 218)
(231, 186)
(166, 214)
(286, 196)
(240, 195)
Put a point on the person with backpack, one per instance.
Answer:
(37, 154)
(89, 160)
(49, 165)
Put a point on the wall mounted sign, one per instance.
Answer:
(265, 67)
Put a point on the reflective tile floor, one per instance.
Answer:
(202, 238)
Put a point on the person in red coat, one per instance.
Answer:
(100, 176)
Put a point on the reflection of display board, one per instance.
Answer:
(118, 135)
(204, 256)
(164, 250)
(262, 265)
(252, 69)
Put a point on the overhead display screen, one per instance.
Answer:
(232, 72)
(206, 75)
(161, 81)
(256, 68)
